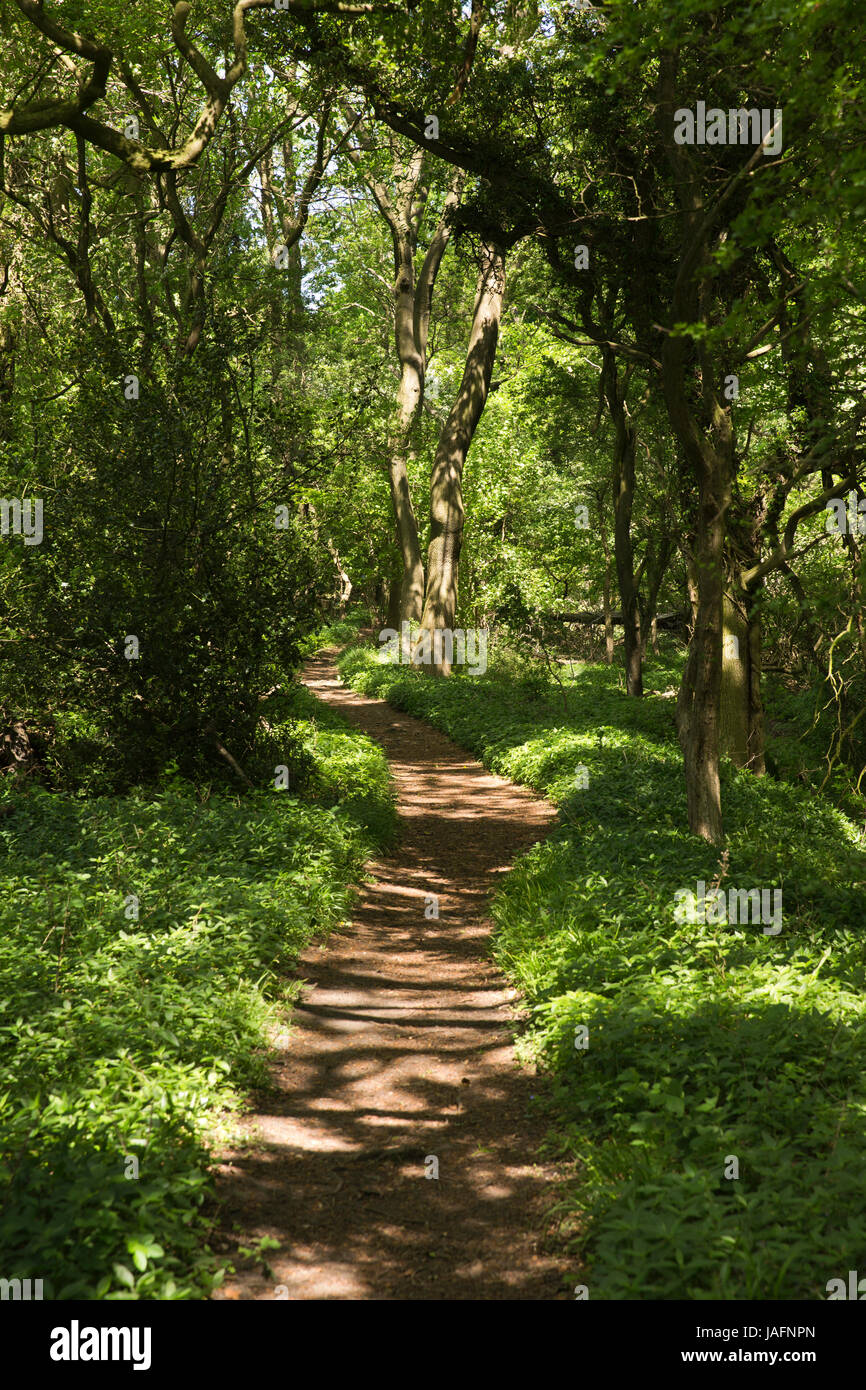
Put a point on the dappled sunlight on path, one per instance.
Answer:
(400, 1054)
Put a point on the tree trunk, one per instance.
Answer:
(700, 694)
(709, 448)
(403, 211)
(607, 608)
(741, 715)
(757, 760)
(344, 585)
(446, 483)
(734, 703)
(409, 395)
(691, 578)
(625, 443)
(608, 614)
(393, 619)
(654, 569)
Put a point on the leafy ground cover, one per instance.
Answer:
(709, 1048)
(126, 1043)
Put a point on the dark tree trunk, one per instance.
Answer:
(625, 444)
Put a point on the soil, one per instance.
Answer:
(399, 1060)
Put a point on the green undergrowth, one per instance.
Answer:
(802, 737)
(127, 1044)
(337, 631)
(705, 1043)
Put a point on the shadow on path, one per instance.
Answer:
(400, 1053)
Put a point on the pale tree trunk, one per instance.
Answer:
(741, 717)
(403, 211)
(402, 218)
(607, 607)
(734, 703)
(344, 585)
(742, 711)
(622, 548)
(413, 303)
(409, 396)
(395, 585)
(608, 613)
(756, 761)
(446, 483)
(402, 208)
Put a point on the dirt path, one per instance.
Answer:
(399, 1051)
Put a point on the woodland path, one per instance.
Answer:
(400, 1048)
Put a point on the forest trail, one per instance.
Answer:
(400, 1049)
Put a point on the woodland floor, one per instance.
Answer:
(400, 1047)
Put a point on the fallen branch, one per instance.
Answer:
(224, 753)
